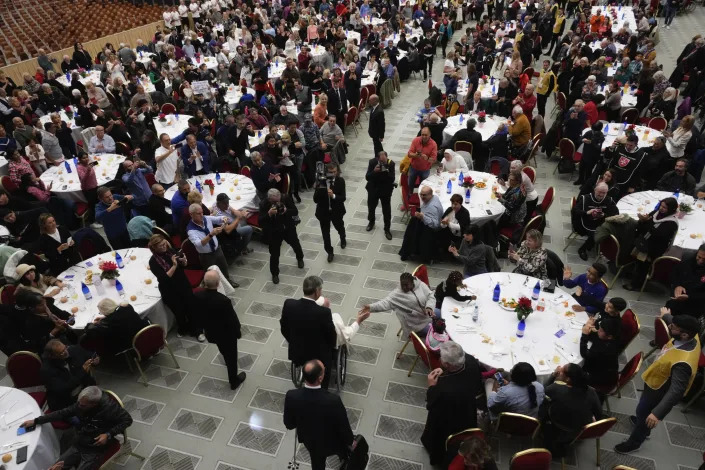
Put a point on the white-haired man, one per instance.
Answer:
(203, 231)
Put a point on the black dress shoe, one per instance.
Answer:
(275, 279)
(330, 257)
(388, 234)
(343, 244)
(240, 379)
(369, 227)
(582, 252)
(233, 283)
(300, 263)
(296, 196)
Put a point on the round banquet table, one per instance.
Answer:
(16, 407)
(486, 129)
(481, 200)
(628, 98)
(492, 339)
(3, 166)
(486, 89)
(174, 125)
(92, 76)
(211, 62)
(233, 95)
(691, 227)
(625, 17)
(240, 189)
(67, 186)
(276, 69)
(148, 302)
(144, 57)
(646, 134)
(373, 21)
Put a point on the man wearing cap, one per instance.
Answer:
(666, 380)
(626, 158)
(688, 285)
(235, 220)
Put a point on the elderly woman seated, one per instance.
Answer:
(116, 326)
(531, 257)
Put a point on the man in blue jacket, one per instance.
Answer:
(109, 212)
(195, 156)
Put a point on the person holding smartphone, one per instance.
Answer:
(109, 213)
(65, 371)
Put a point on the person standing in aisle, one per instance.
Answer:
(380, 185)
(377, 124)
(329, 196)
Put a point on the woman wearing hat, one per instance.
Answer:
(116, 325)
(29, 278)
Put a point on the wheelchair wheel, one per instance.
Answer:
(297, 375)
(341, 365)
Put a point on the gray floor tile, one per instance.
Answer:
(362, 301)
(257, 438)
(686, 436)
(309, 255)
(363, 354)
(196, 424)
(293, 270)
(186, 348)
(346, 260)
(404, 363)
(357, 384)
(381, 284)
(384, 462)
(406, 394)
(247, 262)
(335, 298)
(390, 266)
(279, 369)
(286, 290)
(268, 400)
(164, 376)
(217, 389)
(399, 429)
(164, 458)
(245, 360)
(122, 458)
(355, 244)
(390, 249)
(303, 457)
(371, 328)
(142, 410)
(610, 459)
(255, 333)
(337, 277)
(227, 466)
(264, 309)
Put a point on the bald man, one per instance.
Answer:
(220, 324)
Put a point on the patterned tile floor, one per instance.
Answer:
(189, 418)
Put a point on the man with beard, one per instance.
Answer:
(589, 212)
(688, 285)
(626, 159)
(666, 380)
(678, 179)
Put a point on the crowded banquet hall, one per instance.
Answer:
(156, 155)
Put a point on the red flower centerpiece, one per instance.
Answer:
(630, 130)
(68, 111)
(523, 308)
(162, 117)
(210, 184)
(468, 182)
(481, 116)
(109, 270)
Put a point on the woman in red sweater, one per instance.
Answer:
(474, 454)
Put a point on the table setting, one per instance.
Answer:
(233, 95)
(487, 129)
(628, 93)
(691, 214)
(483, 205)
(92, 76)
(374, 21)
(144, 57)
(240, 189)
(488, 88)
(613, 130)
(210, 62)
(623, 16)
(17, 406)
(550, 333)
(172, 125)
(276, 68)
(69, 120)
(66, 185)
(104, 278)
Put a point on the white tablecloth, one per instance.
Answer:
(233, 95)
(492, 339)
(3, 166)
(628, 98)
(67, 186)
(486, 89)
(210, 62)
(276, 68)
(235, 186)
(480, 199)
(691, 227)
(353, 35)
(144, 57)
(487, 128)
(92, 76)
(373, 21)
(16, 407)
(624, 17)
(148, 302)
(646, 134)
(174, 125)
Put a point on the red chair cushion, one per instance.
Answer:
(194, 276)
(112, 449)
(39, 397)
(507, 232)
(253, 220)
(414, 200)
(81, 208)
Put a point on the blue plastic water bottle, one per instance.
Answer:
(198, 187)
(461, 177)
(495, 295)
(68, 77)
(606, 129)
(118, 260)
(467, 196)
(86, 291)
(520, 328)
(217, 178)
(537, 291)
(68, 167)
(118, 286)
(677, 193)
(461, 119)
(494, 90)
(449, 187)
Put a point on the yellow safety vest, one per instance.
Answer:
(545, 81)
(558, 24)
(660, 371)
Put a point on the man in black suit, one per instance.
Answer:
(66, 370)
(308, 328)
(220, 324)
(329, 196)
(376, 129)
(338, 103)
(318, 416)
(278, 217)
(380, 185)
(238, 142)
(469, 134)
